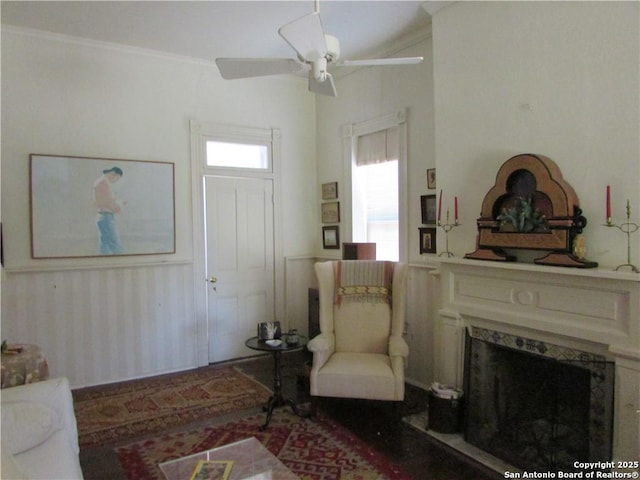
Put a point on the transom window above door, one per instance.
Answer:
(237, 155)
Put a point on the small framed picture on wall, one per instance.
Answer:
(331, 212)
(331, 237)
(330, 191)
(427, 240)
(431, 178)
(428, 209)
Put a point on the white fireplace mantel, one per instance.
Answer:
(595, 310)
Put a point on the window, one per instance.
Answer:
(237, 155)
(375, 196)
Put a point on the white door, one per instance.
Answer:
(240, 262)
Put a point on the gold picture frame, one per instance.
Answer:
(331, 212)
(330, 191)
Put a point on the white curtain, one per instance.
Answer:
(378, 147)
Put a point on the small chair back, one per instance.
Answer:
(363, 295)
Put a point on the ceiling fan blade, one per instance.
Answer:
(323, 88)
(232, 68)
(306, 36)
(380, 62)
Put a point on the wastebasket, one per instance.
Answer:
(445, 414)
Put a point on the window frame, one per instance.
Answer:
(265, 145)
(350, 134)
(244, 136)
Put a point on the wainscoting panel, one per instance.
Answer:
(422, 295)
(111, 324)
(299, 277)
(104, 325)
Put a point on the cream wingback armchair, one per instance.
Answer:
(360, 352)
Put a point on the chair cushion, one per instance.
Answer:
(357, 375)
(362, 327)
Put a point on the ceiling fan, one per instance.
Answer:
(316, 52)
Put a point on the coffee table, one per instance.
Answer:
(278, 399)
(251, 460)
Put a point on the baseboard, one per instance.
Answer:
(416, 383)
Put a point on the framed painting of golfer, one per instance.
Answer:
(92, 207)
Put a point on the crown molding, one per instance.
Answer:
(85, 42)
(433, 7)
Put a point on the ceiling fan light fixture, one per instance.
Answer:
(333, 48)
(320, 69)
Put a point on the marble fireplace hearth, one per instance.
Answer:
(592, 310)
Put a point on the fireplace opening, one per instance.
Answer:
(536, 405)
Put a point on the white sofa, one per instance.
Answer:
(39, 432)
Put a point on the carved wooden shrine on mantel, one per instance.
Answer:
(530, 207)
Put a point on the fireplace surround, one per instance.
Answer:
(539, 406)
(594, 311)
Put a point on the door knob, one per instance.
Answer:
(212, 279)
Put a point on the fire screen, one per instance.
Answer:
(536, 405)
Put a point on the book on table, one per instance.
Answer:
(212, 470)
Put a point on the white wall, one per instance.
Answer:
(106, 319)
(367, 94)
(559, 79)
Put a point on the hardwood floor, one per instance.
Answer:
(379, 424)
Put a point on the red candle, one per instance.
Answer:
(455, 209)
(440, 206)
(608, 202)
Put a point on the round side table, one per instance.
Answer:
(22, 364)
(277, 399)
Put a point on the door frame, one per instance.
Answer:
(200, 132)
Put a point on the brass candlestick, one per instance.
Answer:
(447, 227)
(628, 227)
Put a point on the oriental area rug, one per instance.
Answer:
(317, 449)
(114, 413)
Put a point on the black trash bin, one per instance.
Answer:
(445, 414)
